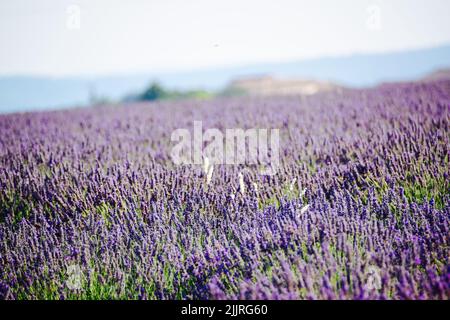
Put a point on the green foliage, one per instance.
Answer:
(157, 92)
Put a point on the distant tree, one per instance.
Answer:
(154, 92)
(157, 92)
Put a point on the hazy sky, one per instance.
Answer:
(92, 37)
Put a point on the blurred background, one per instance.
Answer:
(59, 54)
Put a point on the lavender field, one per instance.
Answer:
(359, 208)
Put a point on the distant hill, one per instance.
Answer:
(31, 93)
(271, 86)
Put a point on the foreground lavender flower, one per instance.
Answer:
(358, 210)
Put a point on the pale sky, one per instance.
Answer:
(101, 37)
